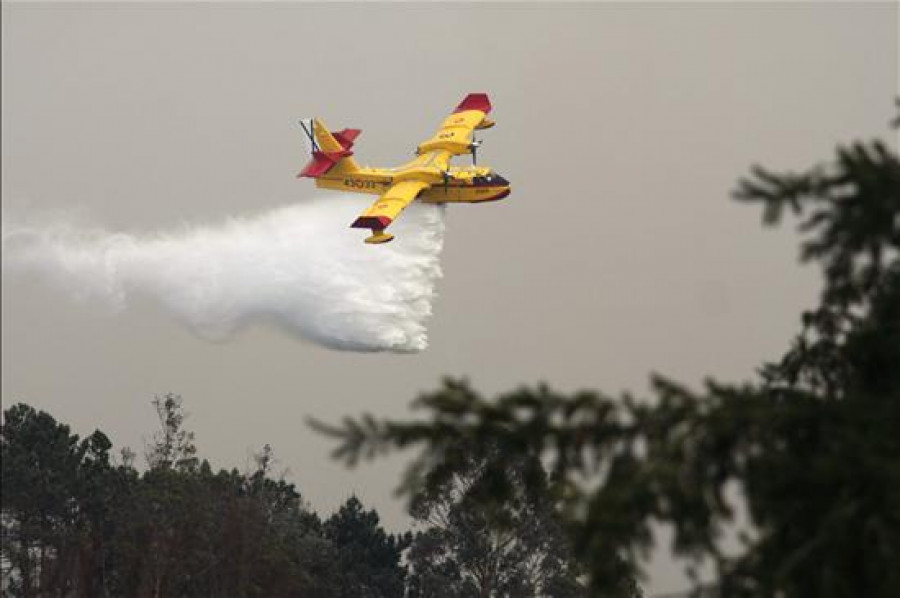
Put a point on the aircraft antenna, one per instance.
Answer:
(309, 133)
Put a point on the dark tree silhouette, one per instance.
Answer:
(368, 559)
(74, 524)
(53, 484)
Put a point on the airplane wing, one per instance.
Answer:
(457, 132)
(387, 207)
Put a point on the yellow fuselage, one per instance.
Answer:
(470, 184)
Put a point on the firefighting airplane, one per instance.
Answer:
(428, 178)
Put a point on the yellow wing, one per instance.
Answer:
(456, 133)
(387, 207)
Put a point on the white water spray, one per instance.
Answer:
(299, 267)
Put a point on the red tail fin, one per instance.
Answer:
(329, 149)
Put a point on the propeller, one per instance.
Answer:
(446, 175)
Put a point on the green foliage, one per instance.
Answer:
(52, 482)
(812, 447)
(368, 559)
(173, 446)
(76, 524)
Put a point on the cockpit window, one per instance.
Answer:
(489, 180)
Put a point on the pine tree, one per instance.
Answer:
(368, 558)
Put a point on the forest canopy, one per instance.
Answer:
(79, 520)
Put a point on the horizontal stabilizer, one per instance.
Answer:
(322, 162)
(346, 137)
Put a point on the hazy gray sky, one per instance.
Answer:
(622, 128)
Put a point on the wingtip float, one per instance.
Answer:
(428, 178)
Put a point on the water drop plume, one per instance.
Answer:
(298, 267)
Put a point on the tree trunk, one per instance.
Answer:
(25, 562)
